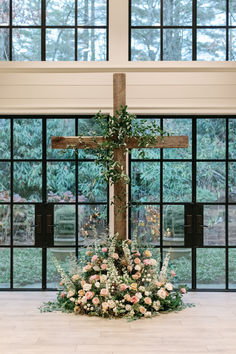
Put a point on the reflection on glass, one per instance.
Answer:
(4, 13)
(91, 186)
(232, 46)
(91, 44)
(92, 223)
(4, 44)
(232, 140)
(145, 223)
(145, 179)
(27, 268)
(59, 127)
(27, 12)
(27, 138)
(64, 219)
(60, 44)
(177, 44)
(181, 263)
(211, 13)
(92, 13)
(178, 127)
(177, 182)
(60, 13)
(5, 257)
(23, 221)
(145, 44)
(26, 44)
(5, 224)
(232, 13)
(211, 268)
(211, 44)
(232, 225)
(214, 219)
(5, 181)
(61, 182)
(5, 138)
(232, 182)
(145, 13)
(177, 12)
(232, 268)
(27, 182)
(173, 225)
(211, 133)
(63, 257)
(210, 181)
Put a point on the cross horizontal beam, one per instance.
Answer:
(72, 142)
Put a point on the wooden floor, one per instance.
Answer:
(210, 327)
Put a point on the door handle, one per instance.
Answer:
(188, 226)
(204, 225)
(49, 224)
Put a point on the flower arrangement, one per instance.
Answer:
(118, 279)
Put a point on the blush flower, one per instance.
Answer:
(87, 268)
(89, 295)
(172, 273)
(137, 260)
(183, 290)
(94, 258)
(123, 287)
(87, 287)
(95, 301)
(104, 249)
(134, 299)
(142, 310)
(161, 293)
(104, 266)
(148, 300)
(169, 286)
(147, 262)
(104, 292)
(115, 256)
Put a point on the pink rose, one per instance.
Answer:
(104, 266)
(137, 254)
(147, 262)
(183, 290)
(94, 258)
(115, 255)
(134, 299)
(137, 261)
(93, 278)
(104, 292)
(95, 301)
(123, 287)
(147, 300)
(172, 273)
(63, 295)
(89, 295)
(104, 249)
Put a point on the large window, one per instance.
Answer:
(183, 30)
(65, 30)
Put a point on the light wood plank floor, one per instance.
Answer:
(210, 327)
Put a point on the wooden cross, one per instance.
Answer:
(120, 197)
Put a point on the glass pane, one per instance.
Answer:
(88, 127)
(4, 13)
(4, 44)
(232, 140)
(214, 219)
(61, 182)
(173, 225)
(60, 44)
(5, 139)
(145, 178)
(177, 44)
(27, 138)
(27, 268)
(145, 13)
(92, 13)
(211, 268)
(181, 263)
(210, 181)
(232, 268)
(178, 127)
(59, 127)
(5, 224)
(5, 256)
(92, 44)
(60, 13)
(146, 153)
(232, 225)
(90, 183)
(177, 12)
(27, 12)
(92, 222)
(211, 12)
(64, 219)
(232, 12)
(63, 256)
(211, 133)
(23, 221)
(145, 44)
(27, 182)
(5, 181)
(211, 44)
(232, 182)
(26, 44)
(177, 182)
(145, 223)
(232, 44)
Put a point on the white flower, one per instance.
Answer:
(97, 284)
(148, 314)
(139, 295)
(142, 288)
(161, 293)
(103, 278)
(128, 307)
(70, 293)
(72, 299)
(169, 286)
(87, 287)
(84, 300)
(147, 293)
(153, 262)
(96, 268)
(91, 309)
(156, 305)
(137, 267)
(111, 304)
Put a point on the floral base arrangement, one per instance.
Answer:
(116, 279)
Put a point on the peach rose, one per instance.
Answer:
(82, 282)
(137, 261)
(134, 286)
(142, 310)
(104, 292)
(158, 284)
(129, 268)
(87, 287)
(169, 286)
(81, 292)
(75, 277)
(115, 256)
(104, 266)
(148, 300)
(127, 297)
(89, 295)
(147, 253)
(134, 299)
(123, 287)
(95, 301)
(104, 249)
(162, 293)
(183, 290)
(136, 276)
(94, 258)
(87, 267)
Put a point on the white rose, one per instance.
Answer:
(139, 295)
(87, 287)
(169, 286)
(147, 293)
(103, 278)
(72, 299)
(97, 284)
(71, 293)
(142, 288)
(84, 300)
(111, 304)
(148, 314)
(156, 305)
(137, 267)
(128, 307)
(96, 268)
(162, 293)
(153, 262)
